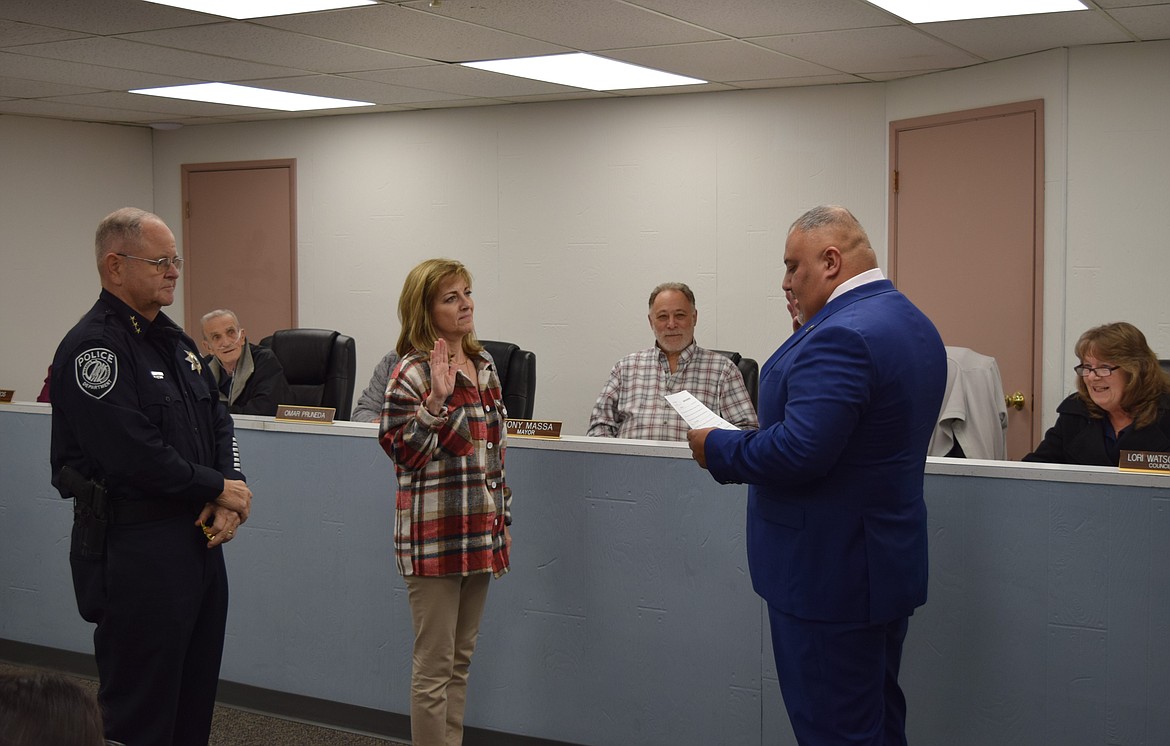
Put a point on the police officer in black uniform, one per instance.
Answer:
(144, 447)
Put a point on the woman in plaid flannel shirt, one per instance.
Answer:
(443, 426)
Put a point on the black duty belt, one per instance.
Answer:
(141, 511)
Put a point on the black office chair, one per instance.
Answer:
(1165, 365)
(749, 369)
(517, 371)
(320, 366)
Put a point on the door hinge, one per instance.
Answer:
(895, 182)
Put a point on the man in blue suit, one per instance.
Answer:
(836, 523)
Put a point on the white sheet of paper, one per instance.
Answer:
(696, 413)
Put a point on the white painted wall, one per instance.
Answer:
(568, 213)
(57, 181)
(1118, 262)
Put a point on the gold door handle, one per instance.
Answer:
(1015, 400)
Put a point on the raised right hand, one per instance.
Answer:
(442, 377)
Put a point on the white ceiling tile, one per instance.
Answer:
(415, 33)
(21, 88)
(400, 52)
(271, 46)
(1125, 3)
(1146, 23)
(671, 90)
(468, 81)
(895, 75)
(259, 117)
(560, 97)
(459, 104)
(837, 79)
(35, 107)
(744, 18)
(103, 17)
(577, 24)
(353, 89)
(130, 55)
(999, 38)
(14, 33)
(719, 61)
(884, 49)
(76, 73)
(156, 104)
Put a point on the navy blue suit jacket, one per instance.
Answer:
(836, 523)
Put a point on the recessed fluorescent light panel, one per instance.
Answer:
(242, 95)
(584, 71)
(260, 8)
(931, 11)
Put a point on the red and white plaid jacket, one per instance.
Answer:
(452, 500)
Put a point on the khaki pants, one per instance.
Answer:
(446, 613)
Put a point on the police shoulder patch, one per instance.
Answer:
(96, 370)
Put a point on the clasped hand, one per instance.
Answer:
(221, 518)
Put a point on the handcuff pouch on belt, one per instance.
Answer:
(90, 514)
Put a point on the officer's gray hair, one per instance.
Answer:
(121, 225)
(216, 314)
(679, 286)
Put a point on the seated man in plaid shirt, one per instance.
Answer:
(633, 403)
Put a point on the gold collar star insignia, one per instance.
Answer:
(196, 363)
(134, 323)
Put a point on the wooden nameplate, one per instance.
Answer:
(316, 415)
(1145, 462)
(533, 428)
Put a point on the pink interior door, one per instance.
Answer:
(966, 240)
(240, 244)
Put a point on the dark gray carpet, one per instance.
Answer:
(236, 727)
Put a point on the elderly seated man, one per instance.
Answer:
(250, 378)
(369, 406)
(633, 404)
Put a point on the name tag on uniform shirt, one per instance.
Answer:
(158, 374)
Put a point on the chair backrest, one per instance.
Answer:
(320, 366)
(1164, 363)
(517, 371)
(750, 370)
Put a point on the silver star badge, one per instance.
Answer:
(196, 364)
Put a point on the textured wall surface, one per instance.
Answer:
(629, 617)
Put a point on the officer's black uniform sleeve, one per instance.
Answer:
(227, 450)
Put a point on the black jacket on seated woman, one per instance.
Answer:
(1122, 402)
(1079, 438)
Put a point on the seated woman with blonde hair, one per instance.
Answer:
(1122, 402)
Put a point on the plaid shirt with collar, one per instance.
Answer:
(632, 404)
